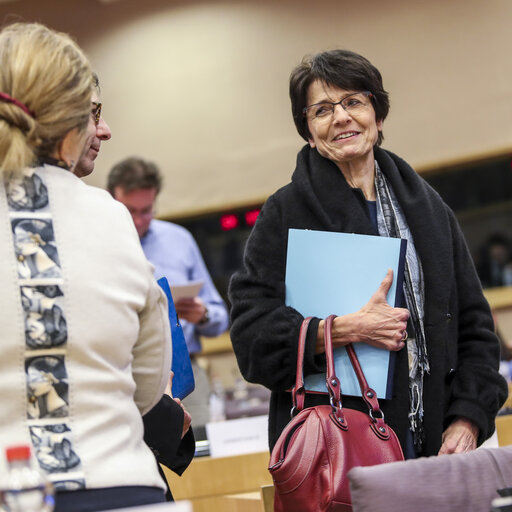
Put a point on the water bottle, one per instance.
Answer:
(24, 488)
(217, 401)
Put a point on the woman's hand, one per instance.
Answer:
(187, 419)
(461, 436)
(376, 323)
(380, 324)
(168, 388)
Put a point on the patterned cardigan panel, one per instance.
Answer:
(41, 293)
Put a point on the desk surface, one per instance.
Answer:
(207, 476)
(499, 297)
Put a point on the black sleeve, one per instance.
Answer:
(163, 426)
(264, 330)
(478, 388)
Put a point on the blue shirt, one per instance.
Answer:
(175, 255)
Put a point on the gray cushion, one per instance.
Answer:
(465, 482)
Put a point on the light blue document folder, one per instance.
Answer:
(337, 273)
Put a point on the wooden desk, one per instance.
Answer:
(207, 481)
(499, 298)
(504, 429)
(244, 502)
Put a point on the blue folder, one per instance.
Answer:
(337, 273)
(183, 381)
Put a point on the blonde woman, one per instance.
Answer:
(85, 337)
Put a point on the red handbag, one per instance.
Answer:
(313, 454)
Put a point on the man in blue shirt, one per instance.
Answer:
(175, 255)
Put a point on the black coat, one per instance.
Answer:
(462, 348)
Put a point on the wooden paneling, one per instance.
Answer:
(504, 429)
(207, 481)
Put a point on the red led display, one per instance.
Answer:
(228, 221)
(251, 216)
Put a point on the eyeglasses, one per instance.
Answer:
(96, 111)
(354, 104)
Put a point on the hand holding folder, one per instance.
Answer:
(338, 273)
(383, 324)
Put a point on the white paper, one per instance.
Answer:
(186, 291)
(236, 437)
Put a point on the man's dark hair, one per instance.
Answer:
(341, 68)
(134, 173)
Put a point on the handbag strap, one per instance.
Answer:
(332, 382)
(298, 391)
(368, 394)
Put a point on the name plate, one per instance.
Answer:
(236, 437)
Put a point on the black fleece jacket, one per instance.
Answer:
(462, 348)
(163, 426)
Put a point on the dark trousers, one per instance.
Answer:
(95, 500)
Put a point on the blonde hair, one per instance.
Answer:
(47, 72)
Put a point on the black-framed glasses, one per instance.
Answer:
(96, 111)
(352, 103)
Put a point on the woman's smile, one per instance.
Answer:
(345, 136)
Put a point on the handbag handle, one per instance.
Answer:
(368, 394)
(332, 382)
(298, 391)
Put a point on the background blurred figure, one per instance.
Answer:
(495, 263)
(78, 394)
(174, 253)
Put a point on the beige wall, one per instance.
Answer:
(201, 87)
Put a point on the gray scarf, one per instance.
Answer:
(392, 223)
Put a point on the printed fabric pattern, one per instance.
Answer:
(42, 298)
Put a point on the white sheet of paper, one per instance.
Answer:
(235, 437)
(188, 291)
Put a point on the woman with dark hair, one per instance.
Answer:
(446, 389)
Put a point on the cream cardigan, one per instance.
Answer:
(85, 345)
